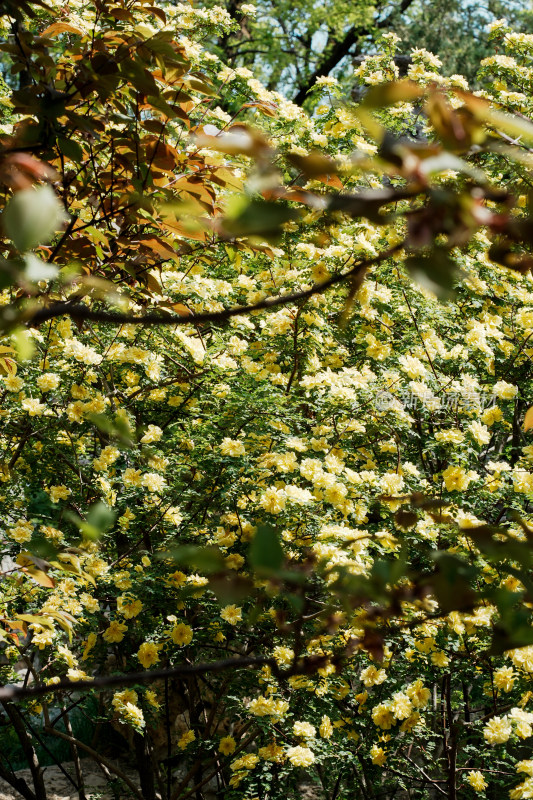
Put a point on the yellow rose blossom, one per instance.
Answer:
(300, 756)
(476, 780)
(378, 755)
(148, 654)
(186, 739)
(115, 632)
(497, 730)
(227, 745)
(231, 614)
(129, 607)
(181, 634)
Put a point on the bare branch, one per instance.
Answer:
(18, 692)
(81, 312)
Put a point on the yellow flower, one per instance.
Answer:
(153, 482)
(48, 381)
(504, 678)
(78, 675)
(247, 761)
(273, 500)
(21, 532)
(304, 730)
(148, 654)
(361, 698)
(89, 644)
(151, 697)
(126, 696)
(497, 730)
(326, 728)
(153, 434)
(66, 655)
(232, 447)
(457, 479)
(33, 406)
(300, 756)
(177, 578)
(227, 745)
(283, 655)
(234, 561)
(13, 383)
(476, 780)
(371, 676)
(378, 755)
(411, 722)
(272, 752)
(185, 739)
(383, 717)
(400, 705)
(58, 493)
(231, 614)
(181, 634)
(115, 632)
(132, 477)
(132, 714)
(504, 390)
(129, 607)
(418, 694)
(268, 707)
(440, 659)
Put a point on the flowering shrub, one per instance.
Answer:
(314, 535)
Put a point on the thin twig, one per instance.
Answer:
(16, 692)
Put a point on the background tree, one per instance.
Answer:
(288, 46)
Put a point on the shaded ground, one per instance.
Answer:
(59, 787)
(97, 787)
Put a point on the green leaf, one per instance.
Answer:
(266, 552)
(230, 588)
(518, 128)
(448, 161)
(453, 583)
(117, 429)
(204, 559)
(32, 216)
(313, 164)
(436, 271)
(71, 149)
(99, 519)
(260, 218)
(503, 640)
(368, 203)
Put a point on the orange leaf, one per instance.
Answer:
(61, 27)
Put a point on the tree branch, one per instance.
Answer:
(81, 312)
(13, 693)
(341, 48)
